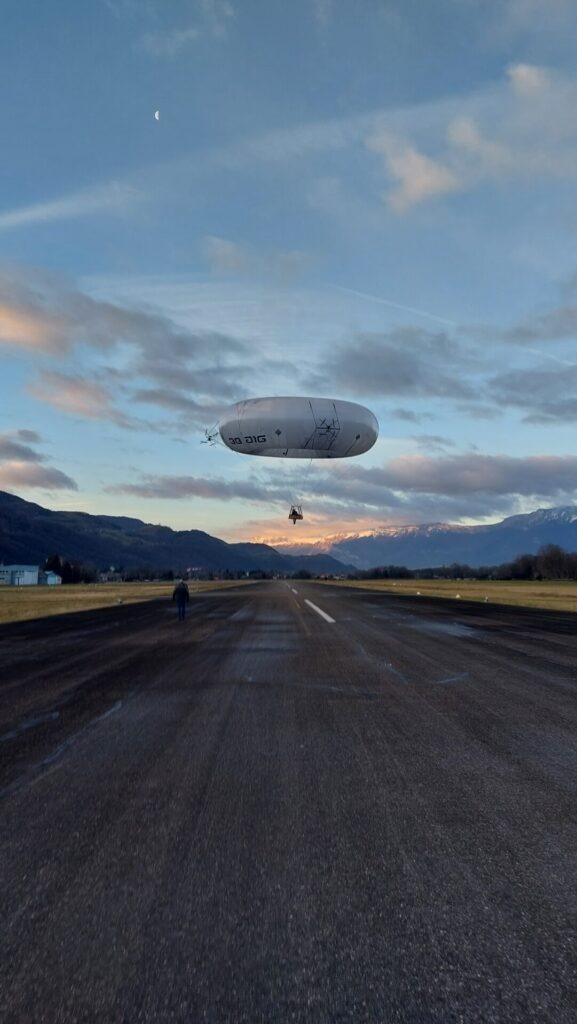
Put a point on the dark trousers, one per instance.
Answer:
(181, 610)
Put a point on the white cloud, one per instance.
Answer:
(485, 157)
(419, 176)
(112, 197)
(522, 129)
(528, 79)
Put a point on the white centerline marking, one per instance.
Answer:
(319, 611)
(294, 591)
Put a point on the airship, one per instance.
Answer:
(298, 428)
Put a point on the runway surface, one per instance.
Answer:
(267, 814)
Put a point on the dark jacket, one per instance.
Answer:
(180, 594)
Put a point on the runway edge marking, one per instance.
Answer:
(319, 611)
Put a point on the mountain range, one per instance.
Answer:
(435, 544)
(30, 533)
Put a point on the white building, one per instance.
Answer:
(19, 575)
(27, 576)
(49, 579)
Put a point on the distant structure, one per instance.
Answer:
(27, 576)
(49, 579)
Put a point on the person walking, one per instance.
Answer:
(182, 597)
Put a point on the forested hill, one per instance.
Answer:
(30, 533)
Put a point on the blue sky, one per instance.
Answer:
(367, 199)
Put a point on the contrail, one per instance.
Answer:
(395, 305)
(550, 355)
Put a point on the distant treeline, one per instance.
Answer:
(550, 563)
(70, 572)
(87, 572)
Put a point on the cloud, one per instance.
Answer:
(471, 474)
(178, 487)
(548, 395)
(176, 401)
(150, 358)
(419, 176)
(407, 415)
(404, 361)
(409, 489)
(213, 384)
(214, 18)
(485, 158)
(527, 386)
(113, 197)
(76, 396)
(222, 254)
(476, 411)
(72, 394)
(24, 329)
(21, 466)
(562, 411)
(414, 489)
(47, 313)
(231, 258)
(23, 475)
(432, 442)
(168, 43)
(30, 436)
(11, 446)
(555, 324)
(528, 79)
(521, 129)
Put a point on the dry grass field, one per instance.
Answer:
(555, 595)
(19, 604)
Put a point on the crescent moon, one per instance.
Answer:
(157, 115)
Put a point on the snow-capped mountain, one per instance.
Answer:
(442, 543)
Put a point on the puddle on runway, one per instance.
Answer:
(429, 625)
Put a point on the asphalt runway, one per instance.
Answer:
(264, 815)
